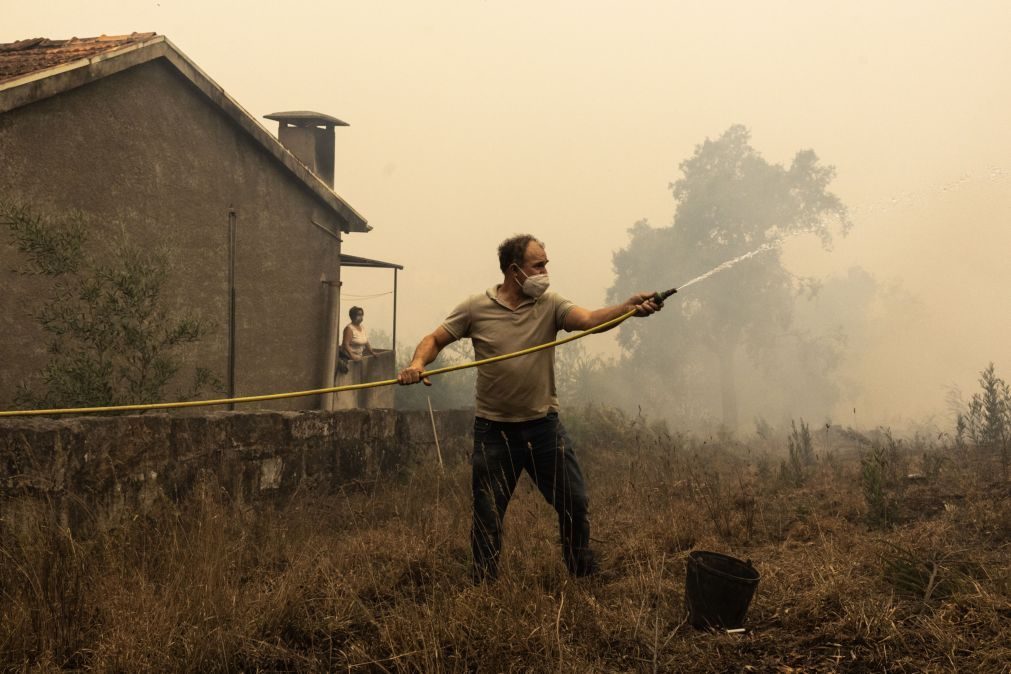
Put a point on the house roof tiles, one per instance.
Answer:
(37, 54)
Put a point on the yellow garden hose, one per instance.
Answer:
(332, 389)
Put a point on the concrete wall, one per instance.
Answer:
(111, 467)
(371, 368)
(154, 162)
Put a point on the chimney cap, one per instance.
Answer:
(305, 118)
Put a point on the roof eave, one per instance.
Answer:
(348, 260)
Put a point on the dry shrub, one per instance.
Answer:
(47, 613)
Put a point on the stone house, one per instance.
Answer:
(130, 131)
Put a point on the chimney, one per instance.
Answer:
(309, 136)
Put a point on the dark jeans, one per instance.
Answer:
(502, 450)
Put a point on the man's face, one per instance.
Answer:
(535, 261)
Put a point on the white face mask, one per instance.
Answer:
(535, 286)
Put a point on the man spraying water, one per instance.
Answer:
(516, 423)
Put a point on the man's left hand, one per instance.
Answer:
(644, 304)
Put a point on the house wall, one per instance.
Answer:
(157, 164)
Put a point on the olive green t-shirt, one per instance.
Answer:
(521, 388)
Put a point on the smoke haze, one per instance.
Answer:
(474, 121)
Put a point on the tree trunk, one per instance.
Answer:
(728, 391)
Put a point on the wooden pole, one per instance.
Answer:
(431, 415)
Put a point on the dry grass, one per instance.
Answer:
(375, 577)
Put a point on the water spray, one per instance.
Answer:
(659, 297)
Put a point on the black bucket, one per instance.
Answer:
(718, 590)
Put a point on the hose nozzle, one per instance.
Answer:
(659, 297)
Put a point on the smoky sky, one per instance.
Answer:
(473, 121)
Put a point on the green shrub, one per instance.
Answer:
(111, 339)
(875, 468)
(986, 422)
(801, 457)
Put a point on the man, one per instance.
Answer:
(516, 424)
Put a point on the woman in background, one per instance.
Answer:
(355, 343)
